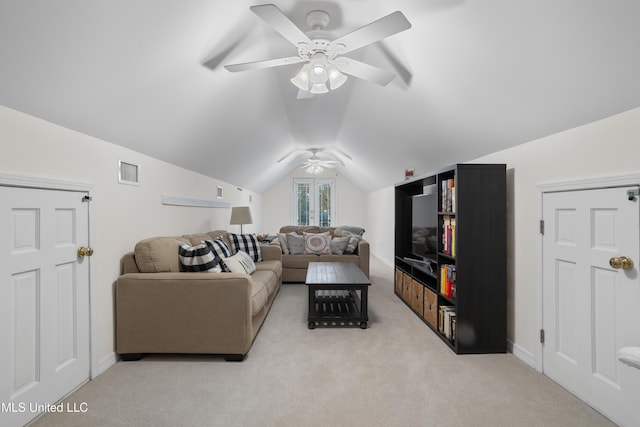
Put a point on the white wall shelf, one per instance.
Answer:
(199, 203)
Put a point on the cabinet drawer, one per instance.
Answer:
(430, 312)
(407, 288)
(417, 295)
(399, 276)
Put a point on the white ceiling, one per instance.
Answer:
(475, 77)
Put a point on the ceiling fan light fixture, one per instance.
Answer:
(319, 88)
(301, 80)
(336, 78)
(314, 169)
(318, 69)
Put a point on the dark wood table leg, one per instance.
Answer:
(312, 307)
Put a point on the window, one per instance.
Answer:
(314, 201)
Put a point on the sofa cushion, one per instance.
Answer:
(198, 258)
(317, 243)
(268, 278)
(219, 247)
(259, 296)
(295, 242)
(299, 229)
(274, 266)
(196, 239)
(339, 258)
(158, 254)
(298, 261)
(241, 262)
(247, 243)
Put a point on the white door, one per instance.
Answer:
(44, 299)
(591, 309)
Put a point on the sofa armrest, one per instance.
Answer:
(363, 253)
(271, 252)
(183, 313)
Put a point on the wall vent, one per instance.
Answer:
(128, 173)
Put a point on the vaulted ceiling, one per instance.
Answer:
(474, 77)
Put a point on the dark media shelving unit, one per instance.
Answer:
(475, 313)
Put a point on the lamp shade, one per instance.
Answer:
(240, 215)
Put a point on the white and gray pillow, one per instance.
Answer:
(282, 239)
(240, 262)
(338, 245)
(352, 246)
(317, 243)
(295, 242)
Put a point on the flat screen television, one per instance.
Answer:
(424, 226)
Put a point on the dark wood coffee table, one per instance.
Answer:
(333, 295)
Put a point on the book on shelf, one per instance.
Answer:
(447, 322)
(448, 280)
(449, 235)
(444, 317)
(452, 338)
(448, 202)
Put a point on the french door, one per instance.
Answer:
(314, 201)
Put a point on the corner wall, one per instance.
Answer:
(123, 214)
(607, 147)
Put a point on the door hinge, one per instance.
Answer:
(542, 336)
(632, 194)
(542, 227)
(87, 198)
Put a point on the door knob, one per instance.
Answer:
(622, 262)
(82, 252)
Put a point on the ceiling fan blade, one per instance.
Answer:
(371, 33)
(303, 94)
(264, 64)
(363, 71)
(281, 23)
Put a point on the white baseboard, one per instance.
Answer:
(522, 354)
(384, 261)
(106, 362)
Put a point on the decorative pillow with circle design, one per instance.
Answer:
(317, 243)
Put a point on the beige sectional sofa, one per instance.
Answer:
(160, 309)
(294, 266)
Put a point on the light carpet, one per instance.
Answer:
(395, 373)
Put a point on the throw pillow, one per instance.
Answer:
(295, 242)
(352, 246)
(198, 258)
(282, 238)
(317, 243)
(338, 245)
(219, 247)
(247, 243)
(342, 233)
(241, 262)
(358, 231)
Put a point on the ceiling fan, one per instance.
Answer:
(324, 66)
(330, 158)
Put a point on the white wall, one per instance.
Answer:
(124, 214)
(277, 210)
(380, 224)
(604, 148)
